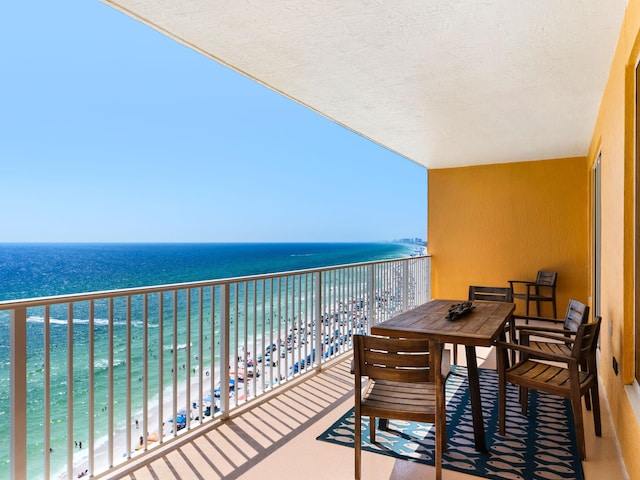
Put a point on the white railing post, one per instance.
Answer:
(372, 298)
(110, 394)
(145, 369)
(18, 382)
(69, 420)
(405, 285)
(174, 368)
(428, 278)
(91, 413)
(128, 376)
(160, 365)
(224, 349)
(188, 359)
(47, 393)
(319, 322)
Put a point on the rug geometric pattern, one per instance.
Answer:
(541, 446)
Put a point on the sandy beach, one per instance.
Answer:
(150, 432)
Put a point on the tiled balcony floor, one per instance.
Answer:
(277, 439)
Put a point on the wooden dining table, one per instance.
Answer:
(482, 326)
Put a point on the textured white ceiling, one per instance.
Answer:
(441, 82)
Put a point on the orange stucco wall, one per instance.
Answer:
(614, 137)
(493, 223)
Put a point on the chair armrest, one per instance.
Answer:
(534, 329)
(540, 319)
(526, 282)
(539, 354)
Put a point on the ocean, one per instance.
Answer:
(36, 270)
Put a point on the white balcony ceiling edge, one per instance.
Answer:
(442, 82)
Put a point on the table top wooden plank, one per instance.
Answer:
(480, 327)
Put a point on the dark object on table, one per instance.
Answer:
(457, 310)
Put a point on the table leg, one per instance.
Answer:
(476, 402)
(503, 338)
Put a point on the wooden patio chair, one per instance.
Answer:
(542, 290)
(406, 382)
(577, 314)
(483, 293)
(563, 376)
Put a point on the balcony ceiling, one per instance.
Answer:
(442, 82)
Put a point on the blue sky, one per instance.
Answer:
(111, 132)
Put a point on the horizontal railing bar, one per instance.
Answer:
(105, 294)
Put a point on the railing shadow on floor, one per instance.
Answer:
(226, 450)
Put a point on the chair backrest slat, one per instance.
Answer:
(398, 360)
(491, 294)
(586, 341)
(577, 314)
(406, 360)
(547, 278)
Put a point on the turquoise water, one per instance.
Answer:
(33, 270)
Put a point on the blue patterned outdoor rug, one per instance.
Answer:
(541, 446)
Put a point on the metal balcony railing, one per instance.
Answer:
(92, 380)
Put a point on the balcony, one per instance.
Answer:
(277, 439)
(103, 379)
(267, 426)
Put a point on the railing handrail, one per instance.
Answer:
(130, 291)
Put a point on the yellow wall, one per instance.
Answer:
(614, 137)
(493, 223)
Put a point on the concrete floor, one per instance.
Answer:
(277, 439)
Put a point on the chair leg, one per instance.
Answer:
(441, 442)
(587, 400)
(537, 289)
(576, 406)
(372, 429)
(357, 445)
(439, 449)
(512, 339)
(524, 400)
(502, 404)
(595, 400)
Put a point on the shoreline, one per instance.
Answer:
(244, 391)
(101, 448)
